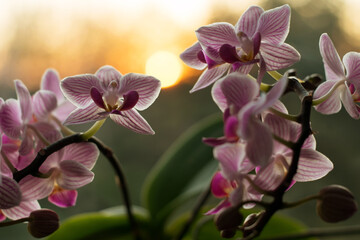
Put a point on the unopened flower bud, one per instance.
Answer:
(249, 221)
(42, 223)
(230, 218)
(336, 203)
(228, 233)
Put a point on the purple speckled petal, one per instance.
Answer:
(77, 88)
(274, 24)
(147, 87)
(51, 81)
(25, 101)
(132, 120)
(334, 69)
(63, 198)
(44, 102)
(191, 57)
(249, 20)
(209, 76)
(10, 194)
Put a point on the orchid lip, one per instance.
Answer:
(130, 100)
(97, 97)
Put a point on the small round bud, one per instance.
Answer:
(228, 233)
(229, 218)
(336, 203)
(42, 223)
(249, 221)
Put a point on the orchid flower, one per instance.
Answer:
(312, 164)
(341, 85)
(258, 37)
(110, 94)
(67, 170)
(49, 101)
(17, 121)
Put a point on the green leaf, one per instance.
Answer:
(110, 224)
(173, 178)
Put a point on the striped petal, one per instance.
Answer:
(132, 120)
(147, 87)
(34, 188)
(351, 61)
(10, 194)
(334, 69)
(217, 34)
(21, 211)
(239, 89)
(248, 21)
(313, 165)
(10, 119)
(51, 81)
(74, 175)
(231, 157)
(107, 74)
(333, 103)
(84, 153)
(77, 88)
(44, 103)
(25, 101)
(209, 76)
(218, 96)
(278, 56)
(191, 57)
(88, 114)
(274, 24)
(348, 102)
(270, 177)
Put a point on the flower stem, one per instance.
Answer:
(39, 135)
(275, 75)
(302, 201)
(89, 133)
(10, 223)
(65, 130)
(8, 162)
(284, 115)
(328, 94)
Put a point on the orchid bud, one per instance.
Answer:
(336, 203)
(228, 233)
(42, 223)
(249, 221)
(229, 218)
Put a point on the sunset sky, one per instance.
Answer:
(144, 36)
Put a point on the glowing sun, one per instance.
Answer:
(165, 66)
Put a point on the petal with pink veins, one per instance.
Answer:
(25, 101)
(191, 58)
(21, 211)
(10, 193)
(209, 76)
(352, 64)
(51, 81)
(77, 88)
(73, 175)
(107, 74)
(147, 87)
(84, 153)
(274, 24)
(10, 119)
(82, 115)
(278, 56)
(132, 120)
(35, 188)
(333, 103)
(348, 102)
(44, 102)
(249, 20)
(231, 157)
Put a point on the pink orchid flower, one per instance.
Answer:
(17, 120)
(345, 83)
(68, 170)
(49, 101)
(108, 93)
(258, 37)
(312, 165)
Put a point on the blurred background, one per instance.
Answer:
(147, 36)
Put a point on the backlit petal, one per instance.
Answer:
(88, 114)
(132, 120)
(209, 76)
(249, 20)
(190, 57)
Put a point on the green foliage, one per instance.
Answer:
(110, 224)
(184, 170)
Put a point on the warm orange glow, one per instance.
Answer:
(165, 66)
